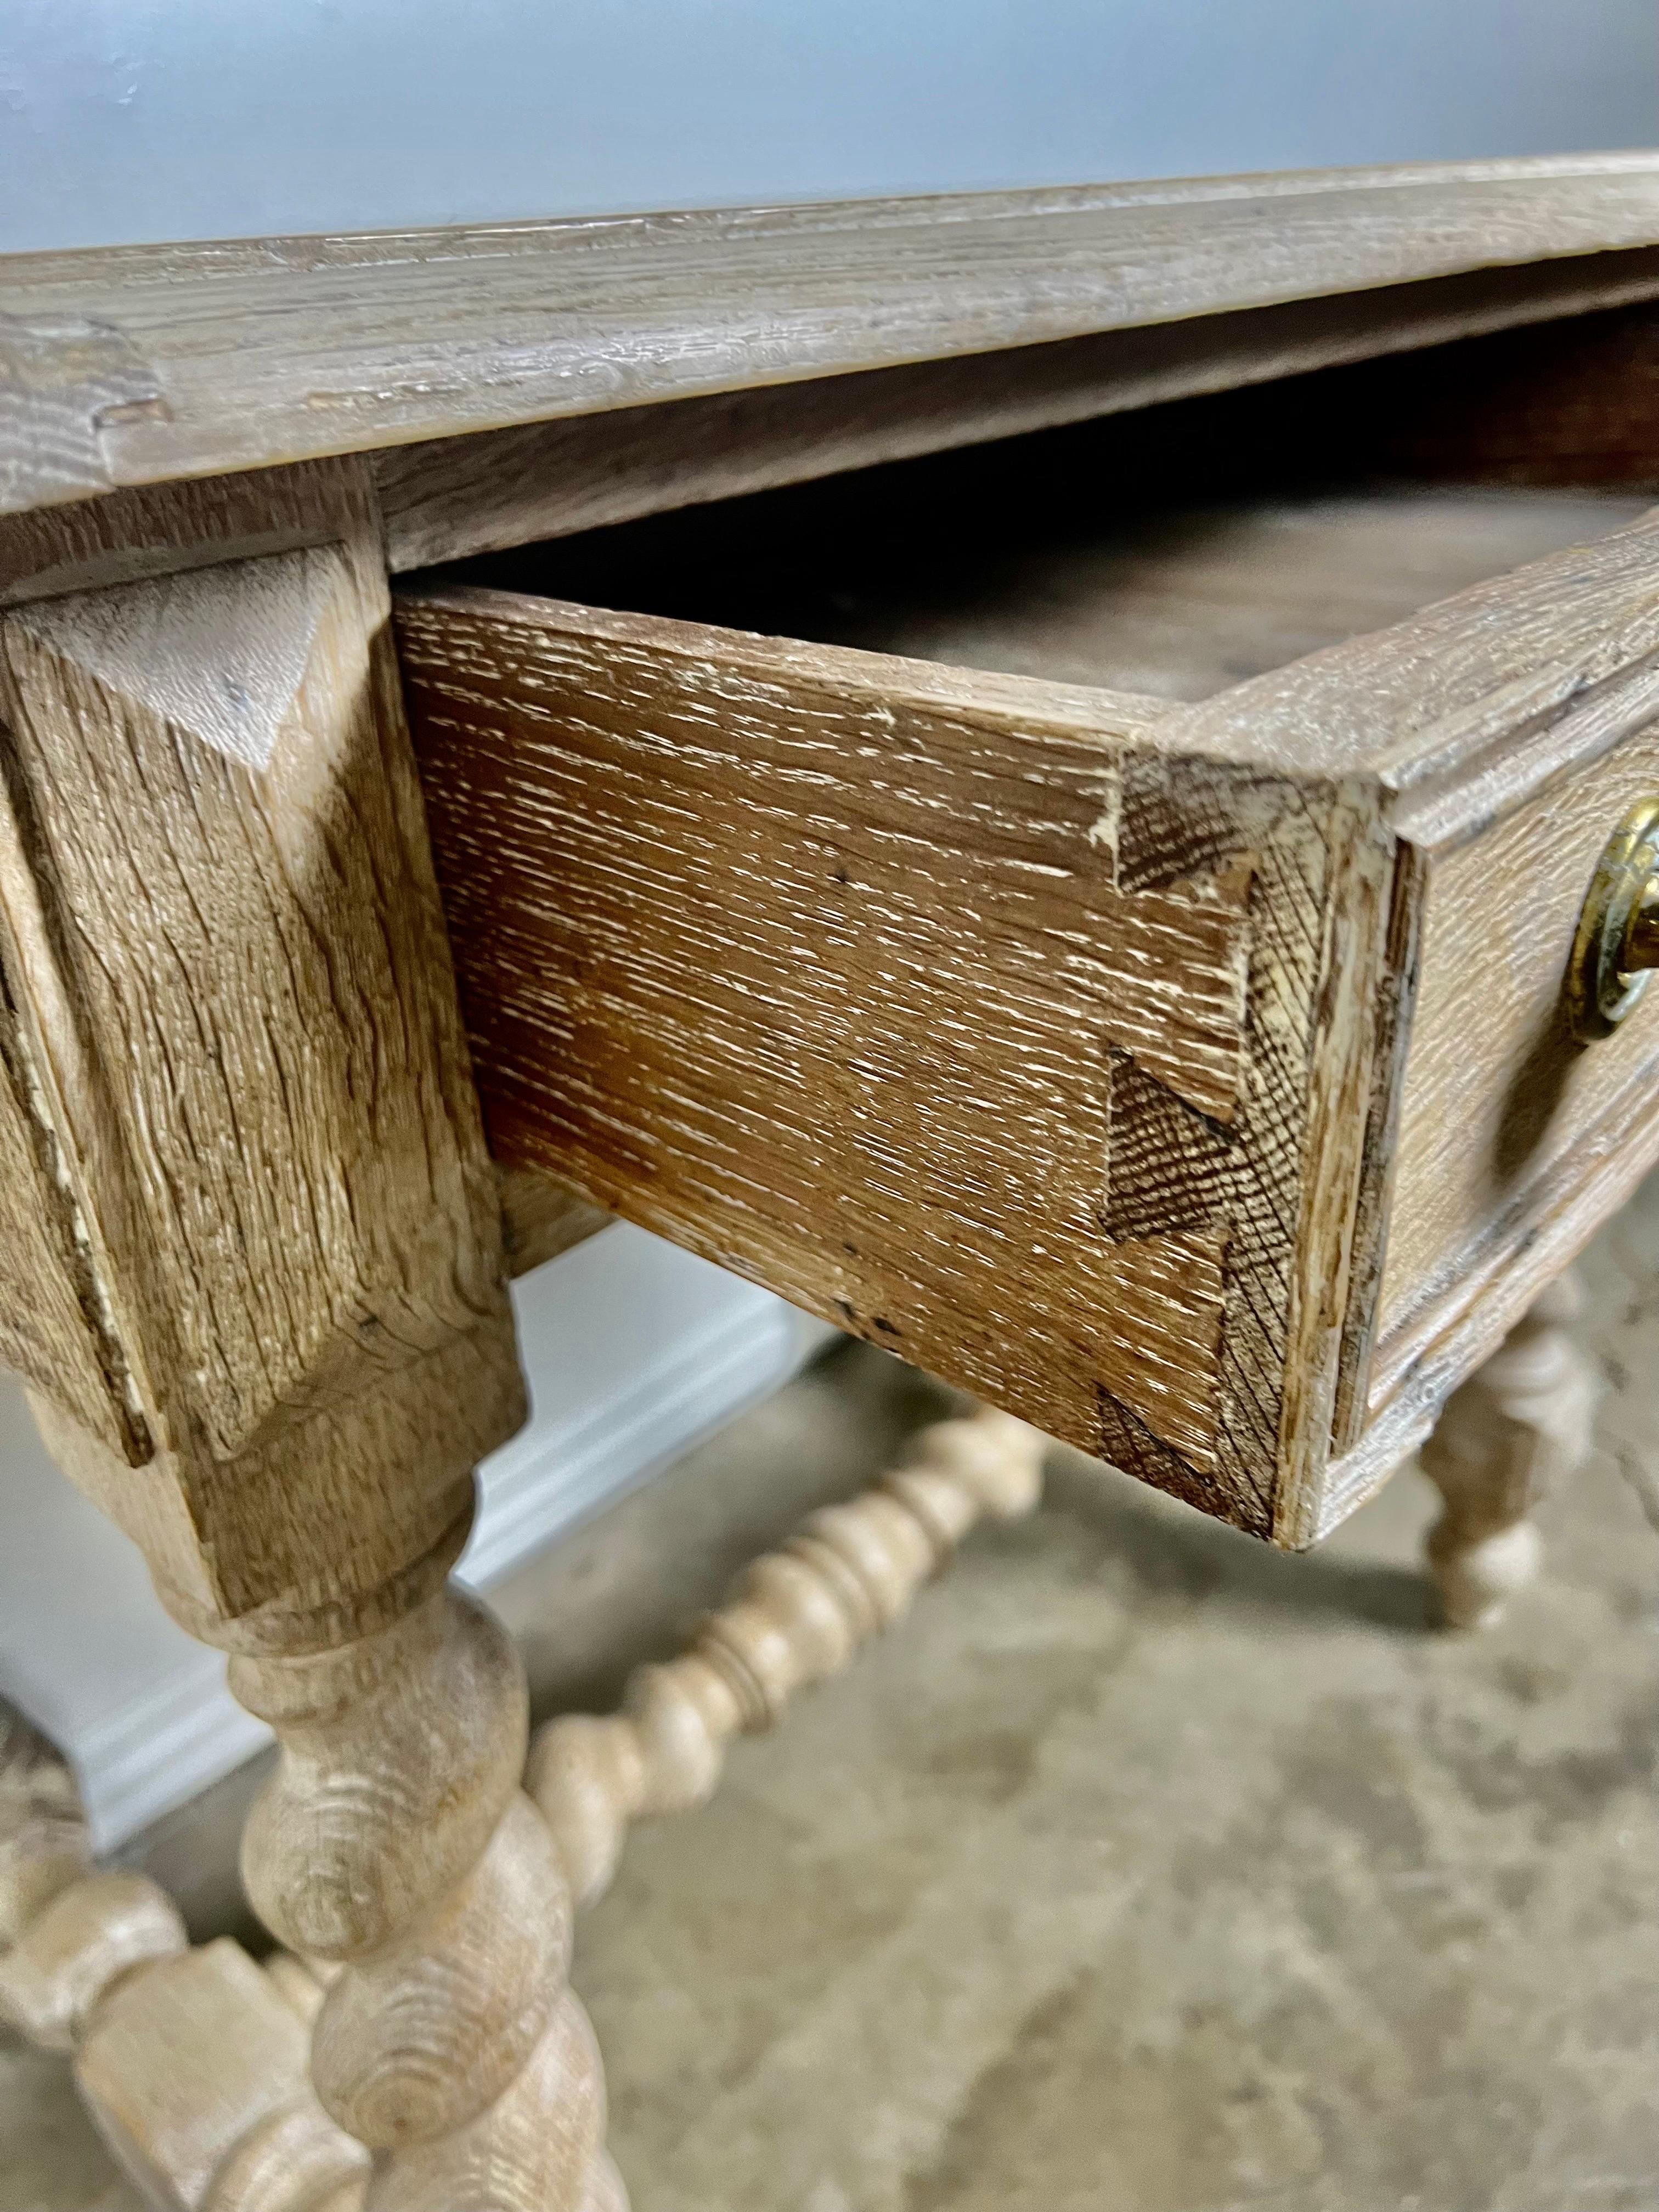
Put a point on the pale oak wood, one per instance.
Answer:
(229, 988)
(1085, 560)
(449, 498)
(1161, 608)
(191, 2065)
(1502, 724)
(446, 498)
(1562, 632)
(103, 540)
(631, 812)
(197, 2076)
(1504, 877)
(128, 536)
(1520, 1424)
(194, 2071)
(719, 903)
(797, 1616)
(141, 364)
(449, 2043)
(541, 1217)
(254, 1112)
(1561, 1207)
(1510, 724)
(1287, 914)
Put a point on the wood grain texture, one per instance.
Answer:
(1187, 604)
(961, 1010)
(648, 767)
(1442, 698)
(194, 2072)
(191, 2066)
(229, 983)
(127, 536)
(232, 1026)
(1454, 1334)
(394, 1838)
(450, 498)
(145, 363)
(1396, 1002)
(1573, 402)
(1511, 725)
(1505, 873)
(1510, 722)
(195, 2066)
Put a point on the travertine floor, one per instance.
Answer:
(1143, 1871)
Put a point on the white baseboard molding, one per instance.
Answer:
(634, 1351)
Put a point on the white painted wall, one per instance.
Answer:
(131, 119)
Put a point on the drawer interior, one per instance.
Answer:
(1172, 554)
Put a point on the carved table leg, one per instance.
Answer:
(395, 1837)
(250, 1261)
(191, 2062)
(196, 2070)
(1519, 1424)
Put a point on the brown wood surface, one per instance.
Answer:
(963, 1010)
(233, 1041)
(127, 536)
(1013, 562)
(1511, 725)
(541, 1217)
(1560, 1210)
(450, 498)
(676, 1003)
(1505, 874)
(1574, 402)
(1276, 884)
(236, 1069)
(143, 363)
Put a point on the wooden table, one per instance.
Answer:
(1099, 915)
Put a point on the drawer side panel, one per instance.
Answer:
(988, 1035)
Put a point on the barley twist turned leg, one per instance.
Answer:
(395, 1838)
(254, 1276)
(798, 1615)
(1518, 1424)
(192, 2063)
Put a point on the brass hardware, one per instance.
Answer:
(1618, 939)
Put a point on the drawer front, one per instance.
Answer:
(963, 1011)
(1514, 1138)
(1511, 724)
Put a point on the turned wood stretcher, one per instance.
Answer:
(1055, 776)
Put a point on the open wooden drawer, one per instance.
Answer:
(1188, 1074)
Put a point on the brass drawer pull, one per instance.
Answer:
(1618, 937)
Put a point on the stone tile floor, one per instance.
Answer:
(1143, 1870)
